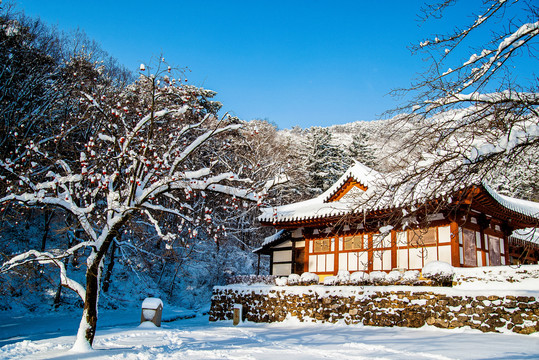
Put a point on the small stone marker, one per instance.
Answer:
(238, 313)
(152, 310)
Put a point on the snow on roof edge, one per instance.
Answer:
(271, 239)
(524, 207)
(359, 172)
(527, 234)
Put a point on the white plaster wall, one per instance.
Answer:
(365, 241)
(386, 242)
(352, 261)
(321, 263)
(363, 264)
(330, 262)
(281, 269)
(444, 234)
(386, 257)
(282, 255)
(444, 253)
(415, 259)
(312, 263)
(285, 244)
(377, 260)
(402, 258)
(430, 254)
(343, 261)
(402, 239)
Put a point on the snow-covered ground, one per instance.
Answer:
(119, 336)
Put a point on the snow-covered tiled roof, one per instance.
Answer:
(271, 239)
(528, 208)
(362, 201)
(528, 234)
(358, 172)
(319, 207)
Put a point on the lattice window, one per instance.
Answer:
(321, 245)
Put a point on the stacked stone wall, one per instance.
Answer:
(376, 307)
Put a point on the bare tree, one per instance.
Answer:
(471, 115)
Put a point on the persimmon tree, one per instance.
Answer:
(124, 156)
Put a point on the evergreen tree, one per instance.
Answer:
(360, 150)
(324, 161)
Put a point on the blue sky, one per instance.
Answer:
(306, 63)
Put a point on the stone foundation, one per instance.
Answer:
(379, 306)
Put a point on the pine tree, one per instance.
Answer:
(360, 150)
(324, 161)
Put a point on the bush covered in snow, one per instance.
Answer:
(331, 280)
(410, 276)
(308, 278)
(393, 277)
(252, 279)
(294, 279)
(377, 277)
(439, 272)
(343, 277)
(359, 278)
(281, 281)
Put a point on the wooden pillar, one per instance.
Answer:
(293, 262)
(506, 249)
(507, 231)
(393, 249)
(483, 223)
(455, 251)
(306, 255)
(483, 248)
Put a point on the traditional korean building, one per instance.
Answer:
(349, 227)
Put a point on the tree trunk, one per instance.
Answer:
(48, 219)
(58, 295)
(88, 323)
(110, 267)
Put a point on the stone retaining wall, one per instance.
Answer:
(375, 306)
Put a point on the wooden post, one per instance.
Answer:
(455, 252)
(306, 256)
(393, 249)
(237, 315)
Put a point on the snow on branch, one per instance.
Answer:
(199, 141)
(42, 257)
(169, 238)
(506, 96)
(142, 123)
(39, 198)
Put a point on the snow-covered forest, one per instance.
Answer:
(117, 184)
